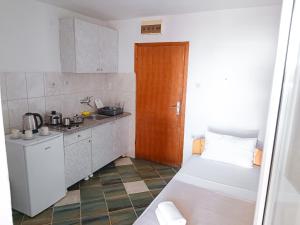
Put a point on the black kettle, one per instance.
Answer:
(30, 122)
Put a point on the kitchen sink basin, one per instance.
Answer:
(97, 117)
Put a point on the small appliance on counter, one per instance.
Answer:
(54, 118)
(30, 122)
(57, 122)
(77, 119)
(110, 111)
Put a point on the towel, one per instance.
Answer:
(98, 103)
(168, 214)
(160, 217)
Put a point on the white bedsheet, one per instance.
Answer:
(234, 181)
(209, 193)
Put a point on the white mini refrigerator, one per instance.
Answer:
(36, 172)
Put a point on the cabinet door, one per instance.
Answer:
(87, 47)
(77, 161)
(102, 146)
(121, 136)
(108, 39)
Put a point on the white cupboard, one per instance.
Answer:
(78, 161)
(109, 142)
(108, 50)
(102, 146)
(87, 47)
(121, 136)
(89, 150)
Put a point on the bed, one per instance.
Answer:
(208, 192)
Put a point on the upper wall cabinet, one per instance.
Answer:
(87, 47)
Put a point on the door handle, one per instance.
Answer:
(178, 107)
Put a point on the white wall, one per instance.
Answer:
(5, 204)
(29, 36)
(231, 60)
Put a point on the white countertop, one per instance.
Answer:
(36, 140)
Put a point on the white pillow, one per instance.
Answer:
(229, 149)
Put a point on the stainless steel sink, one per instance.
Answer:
(97, 117)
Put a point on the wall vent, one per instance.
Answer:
(151, 27)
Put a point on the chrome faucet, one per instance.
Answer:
(87, 100)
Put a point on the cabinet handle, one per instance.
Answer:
(47, 148)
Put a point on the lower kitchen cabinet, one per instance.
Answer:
(89, 150)
(109, 141)
(78, 159)
(102, 145)
(121, 136)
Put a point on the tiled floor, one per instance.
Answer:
(117, 194)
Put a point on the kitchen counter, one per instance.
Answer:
(90, 123)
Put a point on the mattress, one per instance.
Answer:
(209, 193)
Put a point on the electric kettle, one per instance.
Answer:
(30, 122)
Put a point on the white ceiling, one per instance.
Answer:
(125, 9)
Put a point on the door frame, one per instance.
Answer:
(186, 45)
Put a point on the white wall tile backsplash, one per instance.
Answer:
(35, 85)
(16, 108)
(44, 92)
(16, 87)
(37, 105)
(53, 84)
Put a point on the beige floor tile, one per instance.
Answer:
(123, 162)
(136, 187)
(72, 197)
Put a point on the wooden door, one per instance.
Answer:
(161, 73)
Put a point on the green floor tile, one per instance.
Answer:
(17, 217)
(156, 183)
(91, 193)
(176, 169)
(118, 203)
(93, 208)
(74, 187)
(141, 200)
(114, 178)
(44, 217)
(129, 174)
(123, 217)
(167, 179)
(67, 212)
(106, 171)
(126, 169)
(98, 220)
(140, 164)
(114, 190)
(158, 166)
(69, 222)
(92, 182)
(166, 172)
(139, 211)
(155, 192)
(148, 173)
